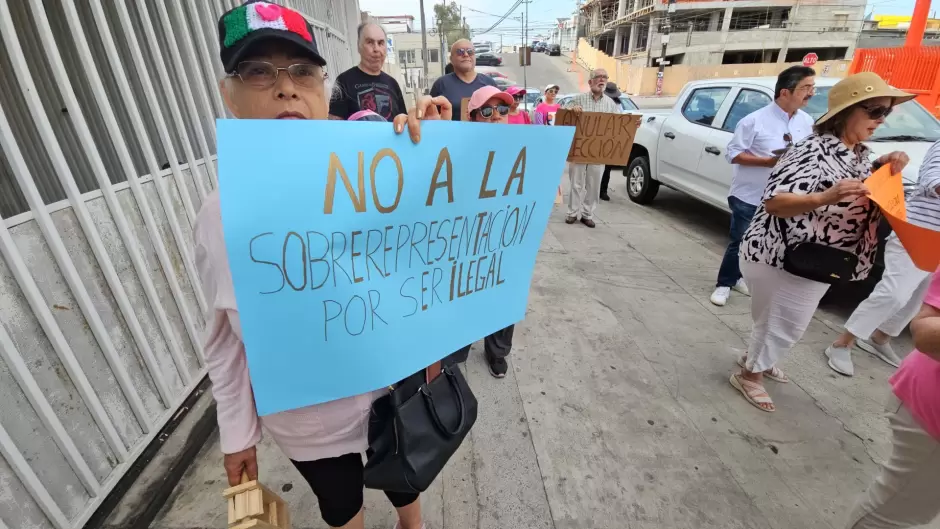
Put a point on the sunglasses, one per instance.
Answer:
(878, 112)
(262, 74)
(552, 91)
(487, 112)
(465, 52)
(518, 97)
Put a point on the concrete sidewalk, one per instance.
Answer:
(617, 412)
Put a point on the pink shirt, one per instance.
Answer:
(545, 113)
(520, 118)
(917, 381)
(315, 432)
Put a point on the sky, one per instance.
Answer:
(543, 13)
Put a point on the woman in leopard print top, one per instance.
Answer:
(817, 191)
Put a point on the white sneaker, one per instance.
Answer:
(741, 287)
(840, 360)
(883, 351)
(720, 296)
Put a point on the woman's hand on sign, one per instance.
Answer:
(844, 191)
(426, 109)
(244, 461)
(897, 159)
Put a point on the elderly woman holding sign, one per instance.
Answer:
(275, 71)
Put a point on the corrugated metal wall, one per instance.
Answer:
(107, 149)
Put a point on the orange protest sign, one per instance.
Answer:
(922, 244)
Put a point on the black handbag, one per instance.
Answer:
(818, 262)
(416, 428)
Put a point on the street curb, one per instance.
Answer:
(142, 492)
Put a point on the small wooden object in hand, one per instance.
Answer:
(252, 506)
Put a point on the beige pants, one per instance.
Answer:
(585, 189)
(906, 493)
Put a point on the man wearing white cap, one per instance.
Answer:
(545, 112)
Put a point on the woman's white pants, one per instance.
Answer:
(782, 305)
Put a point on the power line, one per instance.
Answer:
(500, 21)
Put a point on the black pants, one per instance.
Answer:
(496, 345)
(605, 179)
(337, 483)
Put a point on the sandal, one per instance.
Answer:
(774, 373)
(753, 393)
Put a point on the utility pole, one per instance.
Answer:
(424, 44)
(662, 55)
(525, 42)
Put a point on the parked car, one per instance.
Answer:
(488, 59)
(503, 83)
(494, 74)
(540, 47)
(684, 148)
(554, 49)
(531, 98)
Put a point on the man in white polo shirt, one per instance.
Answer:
(759, 140)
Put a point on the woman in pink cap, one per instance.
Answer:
(517, 117)
(490, 105)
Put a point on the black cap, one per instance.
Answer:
(612, 91)
(255, 21)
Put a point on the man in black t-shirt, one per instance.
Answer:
(366, 86)
(464, 80)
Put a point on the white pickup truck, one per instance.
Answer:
(684, 148)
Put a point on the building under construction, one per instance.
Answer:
(703, 32)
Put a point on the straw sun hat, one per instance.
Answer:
(860, 87)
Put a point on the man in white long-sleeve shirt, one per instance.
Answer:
(759, 139)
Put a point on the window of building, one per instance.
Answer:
(407, 56)
(747, 101)
(703, 104)
(434, 55)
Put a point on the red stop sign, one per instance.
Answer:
(810, 59)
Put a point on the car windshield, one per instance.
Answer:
(908, 122)
(628, 104)
(532, 97)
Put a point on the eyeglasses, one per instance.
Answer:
(466, 52)
(487, 112)
(877, 112)
(552, 91)
(518, 97)
(807, 88)
(600, 77)
(260, 74)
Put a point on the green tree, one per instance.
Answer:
(450, 23)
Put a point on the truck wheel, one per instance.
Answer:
(641, 187)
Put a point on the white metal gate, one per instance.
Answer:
(107, 149)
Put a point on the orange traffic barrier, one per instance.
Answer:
(915, 70)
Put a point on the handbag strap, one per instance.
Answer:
(432, 372)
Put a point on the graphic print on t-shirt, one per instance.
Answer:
(376, 97)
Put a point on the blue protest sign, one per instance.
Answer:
(359, 258)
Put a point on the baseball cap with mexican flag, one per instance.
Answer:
(255, 21)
